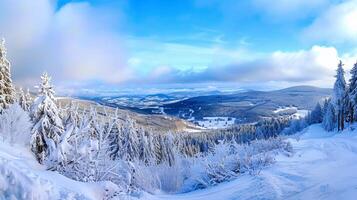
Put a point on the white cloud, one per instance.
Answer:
(151, 53)
(314, 66)
(338, 24)
(78, 42)
(25, 22)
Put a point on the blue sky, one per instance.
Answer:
(256, 43)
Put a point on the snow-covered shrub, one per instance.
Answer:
(165, 176)
(228, 159)
(85, 148)
(224, 162)
(15, 125)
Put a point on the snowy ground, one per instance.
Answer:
(323, 167)
(216, 122)
(297, 113)
(21, 177)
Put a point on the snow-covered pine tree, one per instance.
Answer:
(130, 141)
(71, 117)
(28, 98)
(48, 127)
(22, 100)
(80, 167)
(329, 121)
(316, 114)
(168, 149)
(94, 121)
(164, 149)
(146, 148)
(65, 151)
(20, 95)
(352, 94)
(115, 139)
(7, 92)
(339, 94)
(324, 109)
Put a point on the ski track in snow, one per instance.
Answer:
(324, 166)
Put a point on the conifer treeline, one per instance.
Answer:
(341, 108)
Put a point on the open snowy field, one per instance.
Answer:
(216, 122)
(297, 113)
(322, 167)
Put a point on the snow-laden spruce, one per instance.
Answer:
(352, 95)
(6, 88)
(338, 97)
(24, 100)
(341, 108)
(48, 127)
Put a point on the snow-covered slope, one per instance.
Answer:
(21, 177)
(324, 166)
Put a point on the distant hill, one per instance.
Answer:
(248, 106)
(244, 106)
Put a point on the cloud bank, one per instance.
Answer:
(338, 24)
(77, 42)
(81, 44)
(316, 65)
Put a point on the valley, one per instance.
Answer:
(217, 111)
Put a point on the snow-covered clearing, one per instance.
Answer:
(297, 113)
(21, 177)
(322, 167)
(216, 122)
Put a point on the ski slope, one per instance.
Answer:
(324, 166)
(21, 177)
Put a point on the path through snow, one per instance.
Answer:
(324, 166)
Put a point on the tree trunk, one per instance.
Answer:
(342, 120)
(349, 114)
(338, 121)
(352, 115)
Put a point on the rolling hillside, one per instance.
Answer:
(248, 106)
(157, 123)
